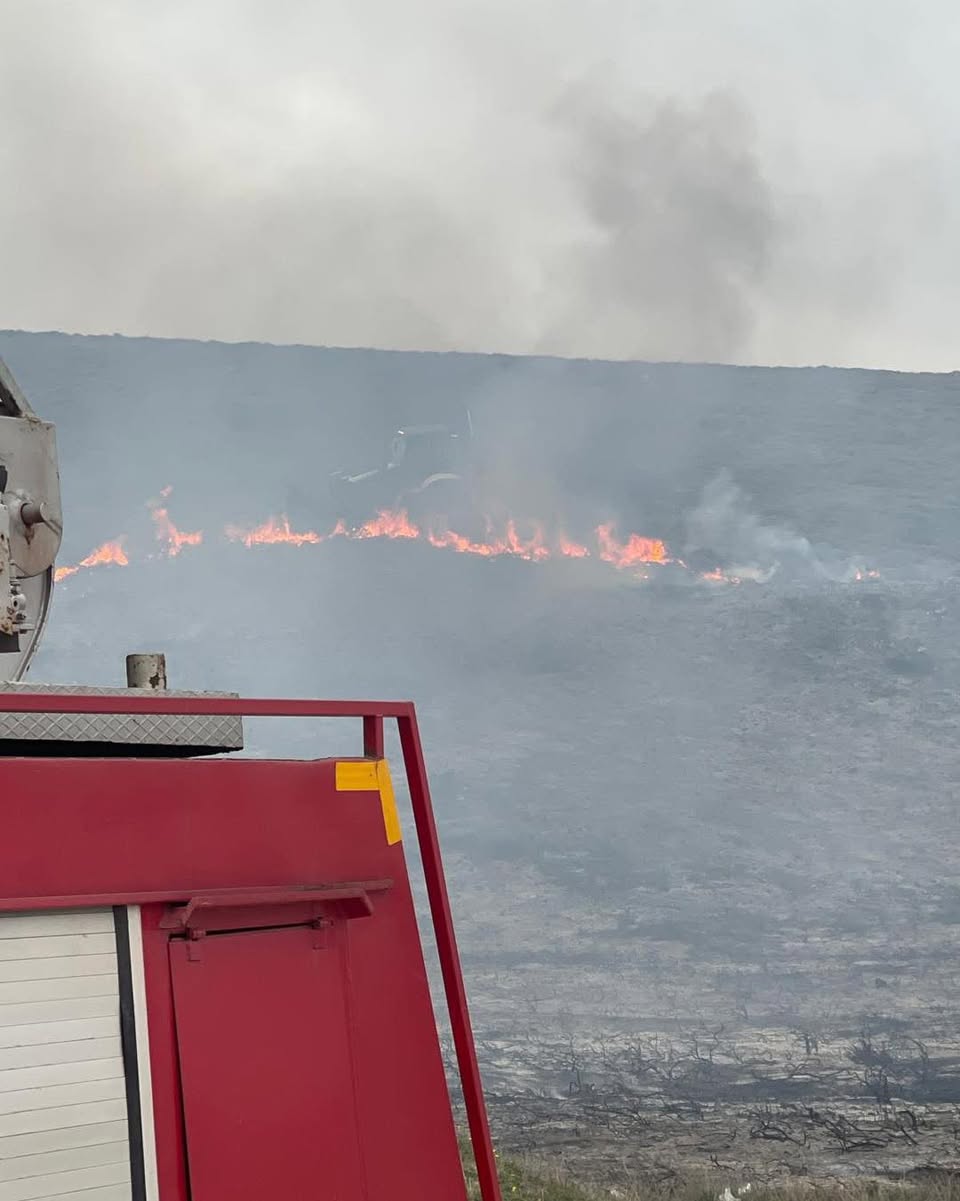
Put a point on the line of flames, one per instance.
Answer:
(635, 554)
(636, 551)
(535, 548)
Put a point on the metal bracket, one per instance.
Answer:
(236, 906)
(321, 934)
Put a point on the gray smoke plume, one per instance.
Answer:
(723, 525)
(593, 180)
(682, 228)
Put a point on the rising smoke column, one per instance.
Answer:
(724, 525)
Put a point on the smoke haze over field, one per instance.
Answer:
(666, 803)
(749, 182)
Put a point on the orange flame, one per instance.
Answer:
(718, 577)
(449, 540)
(634, 551)
(573, 550)
(274, 530)
(174, 539)
(386, 524)
(110, 552)
(534, 549)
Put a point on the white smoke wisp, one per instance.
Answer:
(723, 524)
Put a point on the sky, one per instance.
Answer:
(753, 181)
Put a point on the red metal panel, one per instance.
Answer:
(282, 859)
(265, 1061)
(132, 826)
(401, 1081)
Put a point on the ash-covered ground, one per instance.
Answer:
(702, 838)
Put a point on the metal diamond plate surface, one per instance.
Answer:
(176, 731)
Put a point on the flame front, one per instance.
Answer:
(528, 541)
(572, 550)
(533, 548)
(717, 576)
(386, 524)
(635, 551)
(110, 552)
(173, 539)
(449, 540)
(273, 531)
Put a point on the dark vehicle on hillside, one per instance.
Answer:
(426, 472)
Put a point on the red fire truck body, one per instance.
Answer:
(212, 986)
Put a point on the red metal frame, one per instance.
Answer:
(372, 714)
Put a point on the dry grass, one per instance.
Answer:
(525, 1180)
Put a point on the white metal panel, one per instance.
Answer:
(57, 921)
(85, 1180)
(55, 968)
(37, 1054)
(66, 1009)
(51, 946)
(52, 1096)
(63, 1106)
(33, 1034)
(138, 984)
(116, 1192)
(64, 1117)
(52, 1163)
(74, 985)
(92, 1134)
(49, 1074)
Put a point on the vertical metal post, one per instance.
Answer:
(8, 610)
(147, 671)
(449, 956)
(373, 738)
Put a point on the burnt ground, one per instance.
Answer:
(762, 976)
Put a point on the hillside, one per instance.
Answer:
(674, 809)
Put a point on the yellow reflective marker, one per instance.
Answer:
(388, 803)
(359, 775)
(372, 775)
